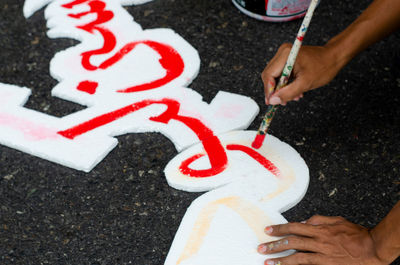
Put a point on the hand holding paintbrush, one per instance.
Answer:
(287, 70)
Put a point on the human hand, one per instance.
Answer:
(322, 240)
(315, 66)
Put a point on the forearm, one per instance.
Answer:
(386, 236)
(380, 19)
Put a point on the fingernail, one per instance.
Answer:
(303, 222)
(262, 249)
(268, 230)
(269, 262)
(275, 101)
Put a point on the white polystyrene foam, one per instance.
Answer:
(134, 2)
(246, 182)
(141, 65)
(226, 116)
(31, 6)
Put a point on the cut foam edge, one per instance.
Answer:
(235, 168)
(251, 194)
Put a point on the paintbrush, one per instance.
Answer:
(287, 70)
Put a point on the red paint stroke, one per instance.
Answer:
(109, 44)
(258, 141)
(170, 59)
(213, 147)
(300, 38)
(103, 16)
(79, 15)
(104, 119)
(88, 87)
(74, 3)
(256, 156)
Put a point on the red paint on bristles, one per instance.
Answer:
(258, 141)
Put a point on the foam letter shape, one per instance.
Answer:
(135, 80)
(81, 145)
(126, 76)
(224, 226)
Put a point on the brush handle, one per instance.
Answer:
(287, 70)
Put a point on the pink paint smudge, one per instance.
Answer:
(31, 131)
(229, 111)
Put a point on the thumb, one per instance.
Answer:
(269, 86)
(290, 92)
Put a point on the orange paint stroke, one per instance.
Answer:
(250, 213)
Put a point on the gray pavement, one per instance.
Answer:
(123, 211)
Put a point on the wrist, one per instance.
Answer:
(386, 249)
(377, 243)
(338, 52)
(386, 236)
(335, 55)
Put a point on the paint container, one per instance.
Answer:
(273, 10)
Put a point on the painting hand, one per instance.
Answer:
(315, 66)
(322, 240)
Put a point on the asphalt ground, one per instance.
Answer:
(123, 211)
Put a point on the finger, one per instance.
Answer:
(274, 69)
(292, 90)
(296, 259)
(298, 229)
(275, 100)
(319, 220)
(276, 64)
(269, 87)
(291, 242)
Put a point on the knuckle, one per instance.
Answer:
(285, 96)
(264, 75)
(277, 229)
(295, 242)
(327, 247)
(325, 231)
(339, 218)
(286, 46)
(292, 228)
(289, 228)
(303, 258)
(296, 226)
(314, 218)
